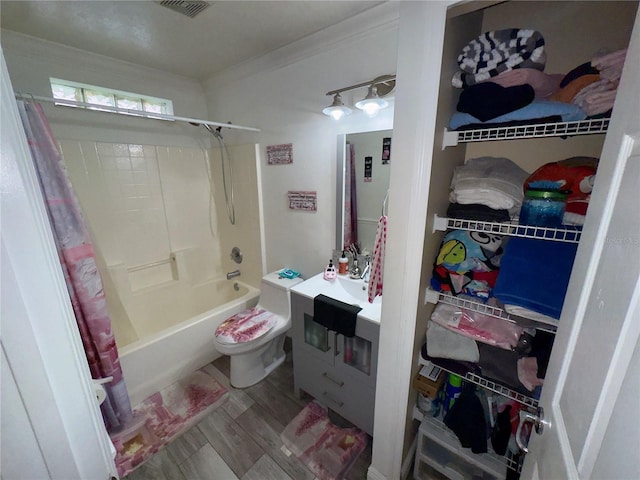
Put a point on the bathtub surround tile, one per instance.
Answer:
(207, 464)
(165, 415)
(235, 445)
(266, 469)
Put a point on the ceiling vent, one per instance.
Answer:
(190, 8)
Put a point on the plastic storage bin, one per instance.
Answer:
(543, 208)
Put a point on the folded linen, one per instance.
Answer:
(476, 326)
(534, 274)
(489, 100)
(567, 93)
(443, 343)
(477, 211)
(498, 51)
(539, 108)
(543, 84)
(492, 181)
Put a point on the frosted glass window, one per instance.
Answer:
(92, 94)
(67, 92)
(129, 103)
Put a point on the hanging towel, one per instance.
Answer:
(335, 315)
(377, 261)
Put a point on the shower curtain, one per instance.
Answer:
(78, 262)
(350, 203)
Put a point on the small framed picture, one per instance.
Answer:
(280, 154)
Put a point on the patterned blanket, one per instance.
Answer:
(499, 51)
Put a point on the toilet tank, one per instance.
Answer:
(274, 293)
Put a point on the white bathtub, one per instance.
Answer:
(167, 331)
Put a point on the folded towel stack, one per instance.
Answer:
(492, 181)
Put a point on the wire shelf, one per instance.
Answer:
(489, 385)
(539, 130)
(490, 310)
(567, 234)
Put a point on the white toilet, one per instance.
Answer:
(254, 338)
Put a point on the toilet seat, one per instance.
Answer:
(246, 326)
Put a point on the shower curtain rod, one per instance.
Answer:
(137, 113)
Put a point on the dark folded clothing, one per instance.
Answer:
(466, 419)
(489, 100)
(335, 315)
(579, 71)
(477, 211)
(541, 345)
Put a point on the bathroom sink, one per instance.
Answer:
(344, 289)
(357, 288)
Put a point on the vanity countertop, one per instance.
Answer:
(344, 289)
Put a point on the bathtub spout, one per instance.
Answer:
(235, 273)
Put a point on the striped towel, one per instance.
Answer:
(377, 260)
(499, 51)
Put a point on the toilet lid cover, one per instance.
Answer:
(245, 326)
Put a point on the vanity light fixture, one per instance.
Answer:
(377, 88)
(337, 109)
(372, 103)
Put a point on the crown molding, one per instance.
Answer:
(379, 19)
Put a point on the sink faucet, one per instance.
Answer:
(235, 273)
(366, 270)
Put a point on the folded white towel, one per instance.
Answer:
(443, 343)
(493, 181)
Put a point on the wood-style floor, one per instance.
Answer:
(241, 439)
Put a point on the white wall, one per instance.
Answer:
(284, 94)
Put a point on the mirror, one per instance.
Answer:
(372, 156)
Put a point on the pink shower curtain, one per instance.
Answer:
(350, 203)
(78, 262)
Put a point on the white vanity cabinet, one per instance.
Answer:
(340, 372)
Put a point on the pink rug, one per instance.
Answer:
(165, 415)
(327, 450)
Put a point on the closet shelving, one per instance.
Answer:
(540, 142)
(491, 310)
(539, 130)
(566, 234)
(489, 385)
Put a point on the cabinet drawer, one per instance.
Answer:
(347, 397)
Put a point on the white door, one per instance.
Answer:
(593, 368)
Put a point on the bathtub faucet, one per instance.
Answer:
(235, 273)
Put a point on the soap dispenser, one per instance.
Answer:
(343, 264)
(330, 271)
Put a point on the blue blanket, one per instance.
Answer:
(536, 109)
(534, 274)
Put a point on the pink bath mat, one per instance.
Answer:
(165, 415)
(327, 450)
